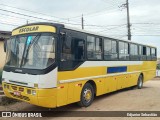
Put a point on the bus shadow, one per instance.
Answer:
(74, 106)
(69, 107)
(119, 91)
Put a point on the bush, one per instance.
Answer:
(158, 66)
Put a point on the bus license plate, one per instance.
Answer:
(17, 93)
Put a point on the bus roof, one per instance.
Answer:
(79, 30)
(102, 35)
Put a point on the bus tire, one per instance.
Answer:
(140, 82)
(87, 95)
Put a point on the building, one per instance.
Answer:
(3, 36)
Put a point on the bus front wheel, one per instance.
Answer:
(140, 82)
(87, 95)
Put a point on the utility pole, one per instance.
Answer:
(27, 21)
(128, 21)
(82, 22)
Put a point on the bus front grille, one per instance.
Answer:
(21, 89)
(20, 97)
(14, 87)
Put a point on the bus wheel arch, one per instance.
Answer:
(87, 94)
(142, 75)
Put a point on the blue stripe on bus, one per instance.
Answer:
(116, 69)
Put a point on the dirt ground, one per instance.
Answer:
(146, 99)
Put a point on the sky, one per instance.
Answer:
(106, 17)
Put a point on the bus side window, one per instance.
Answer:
(144, 53)
(149, 53)
(153, 53)
(78, 48)
(90, 47)
(123, 51)
(94, 48)
(110, 49)
(98, 50)
(133, 52)
(140, 52)
(72, 53)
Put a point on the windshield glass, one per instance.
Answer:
(33, 51)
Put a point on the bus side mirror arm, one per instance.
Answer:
(63, 35)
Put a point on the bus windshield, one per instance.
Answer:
(31, 51)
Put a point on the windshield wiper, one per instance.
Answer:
(26, 49)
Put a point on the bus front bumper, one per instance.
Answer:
(41, 97)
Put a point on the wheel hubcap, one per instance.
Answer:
(87, 95)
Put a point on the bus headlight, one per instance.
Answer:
(33, 92)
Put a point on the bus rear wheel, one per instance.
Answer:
(87, 95)
(140, 82)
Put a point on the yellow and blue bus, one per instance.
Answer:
(51, 65)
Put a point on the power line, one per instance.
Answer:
(46, 19)
(36, 17)
(103, 25)
(9, 24)
(112, 28)
(145, 35)
(17, 17)
(33, 11)
(37, 12)
(92, 13)
(113, 35)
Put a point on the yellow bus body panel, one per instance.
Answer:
(70, 92)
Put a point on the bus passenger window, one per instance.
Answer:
(133, 52)
(110, 49)
(72, 53)
(140, 50)
(94, 48)
(149, 53)
(144, 50)
(123, 51)
(153, 53)
(144, 53)
(66, 49)
(98, 50)
(90, 47)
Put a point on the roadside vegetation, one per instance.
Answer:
(158, 66)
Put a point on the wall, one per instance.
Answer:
(2, 55)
